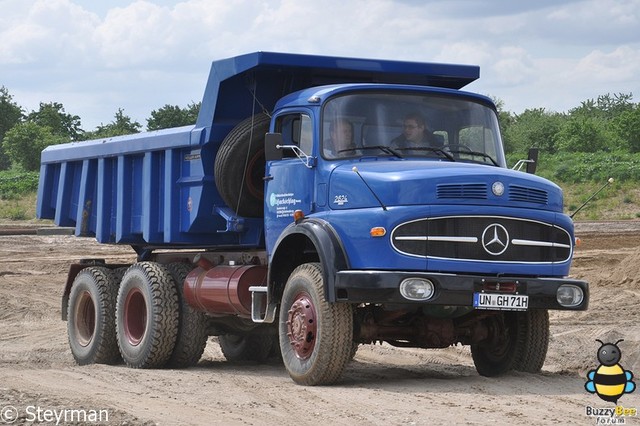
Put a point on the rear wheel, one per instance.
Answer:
(192, 325)
(147, 315)
(91, 321)
(246, 347)
(315, 335)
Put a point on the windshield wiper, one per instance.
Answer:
(476, 153)
(382, 148)
(440, 151)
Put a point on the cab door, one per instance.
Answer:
(290, 180)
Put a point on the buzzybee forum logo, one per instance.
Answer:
(609, 381)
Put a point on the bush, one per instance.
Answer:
(590, 167)
(14, 185)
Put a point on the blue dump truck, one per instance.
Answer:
(319, 203)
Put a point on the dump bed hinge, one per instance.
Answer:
(234, 223)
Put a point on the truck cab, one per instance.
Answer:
(435, 232)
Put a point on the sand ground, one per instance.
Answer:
(383, 385)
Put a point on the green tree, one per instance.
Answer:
(627, 126)
(583, 134)
(24, 142)
(534, 128)
(594, 125)
(53, 116)
(173, 116)
(505, 120)
(605, 106)
(10, 115)
(193, 109)
(121, 125)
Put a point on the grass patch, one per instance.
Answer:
(619, 201)
(19, 208)
(18, 194)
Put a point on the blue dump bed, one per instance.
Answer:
(157, 189)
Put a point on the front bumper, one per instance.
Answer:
(450, 289)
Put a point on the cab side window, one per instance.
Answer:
(296, 129)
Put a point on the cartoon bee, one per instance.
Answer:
(610, 381)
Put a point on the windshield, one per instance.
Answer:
(411, 125)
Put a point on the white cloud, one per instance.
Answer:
(52, 31)
(134, 35)
(619, 65)
(596, 22)
(514, 66)
(96, 57)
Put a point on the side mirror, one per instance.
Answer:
(532, 162)
(272, 141)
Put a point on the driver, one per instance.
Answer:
(415, 134)
(340, 143)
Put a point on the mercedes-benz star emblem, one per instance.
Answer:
(497, 188)
(495, 239)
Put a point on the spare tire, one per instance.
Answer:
(239, 167)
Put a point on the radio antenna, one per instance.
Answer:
(609, 181)
(355, 169)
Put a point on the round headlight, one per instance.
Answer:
(417, 289)
(569, 295)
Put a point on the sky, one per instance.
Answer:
(95, 56)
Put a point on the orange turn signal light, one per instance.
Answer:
(378, 231)
(298, 215)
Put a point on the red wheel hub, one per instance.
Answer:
(135, 316)
(301, 326)
(85, 319)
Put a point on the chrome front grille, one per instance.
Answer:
(483, 238)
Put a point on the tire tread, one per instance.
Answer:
(105, 350)
(244, 139)
(192, 325)
(335, 333)
(155, 349)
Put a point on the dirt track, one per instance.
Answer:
(383, 385)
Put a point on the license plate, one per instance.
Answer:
(502, 302)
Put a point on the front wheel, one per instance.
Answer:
(315, 335)
(519, 342)
(534, 334)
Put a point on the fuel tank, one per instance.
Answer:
(223, 289)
